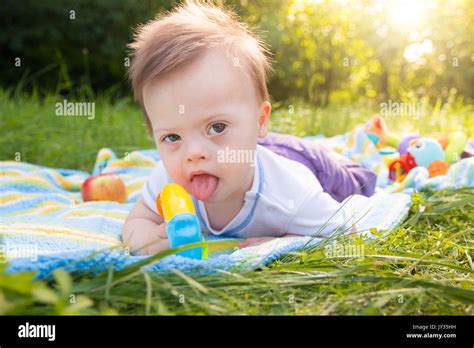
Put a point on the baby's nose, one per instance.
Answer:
(196, 153)
(195, 156)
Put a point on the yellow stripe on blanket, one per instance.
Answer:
(12, 197)
(70, 186)
(35, 210)
(124, 164)
(31, 179)
(39, 210)
(39, 179)
(136, 186)
(114, 214)
(141, 159)
(11, 172)
(38, 230)
(18, 197)
(50, 209)
(22, 166)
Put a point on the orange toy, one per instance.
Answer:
(443, 140)
(438, 168)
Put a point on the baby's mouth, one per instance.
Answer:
(203, 185)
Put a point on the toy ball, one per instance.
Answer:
(425, 151)
(405, 142)
(456, 143)
(438, 168)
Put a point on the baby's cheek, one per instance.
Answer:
(178, 176)
(174, 170)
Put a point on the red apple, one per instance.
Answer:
(104, 187)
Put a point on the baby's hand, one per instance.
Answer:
(144, 231)
(159, 241)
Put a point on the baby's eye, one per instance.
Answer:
(171, 138)
(217, 128)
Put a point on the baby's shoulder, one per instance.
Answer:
(285, 182)
(279, 169)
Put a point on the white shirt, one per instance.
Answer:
(285, 197)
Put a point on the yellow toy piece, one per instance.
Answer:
(174, 200)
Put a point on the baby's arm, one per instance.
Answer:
(144, 231)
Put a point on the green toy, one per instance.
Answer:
(456, 143)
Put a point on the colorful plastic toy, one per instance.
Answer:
(456, 143)
(182, 226)
(421, 152)
(405, 142)
(438, 168)
(415, 151)
(399, 168)
(425, 151)
(377, 132)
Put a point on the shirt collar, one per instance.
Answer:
(244, 216)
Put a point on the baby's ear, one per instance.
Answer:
(265, 109)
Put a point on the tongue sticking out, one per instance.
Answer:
(203, 185)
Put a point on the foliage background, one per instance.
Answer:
(324, 51)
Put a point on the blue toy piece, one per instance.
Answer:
(425, 151)
(184, 229)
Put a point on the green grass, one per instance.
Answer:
(31, 128)
(423, 267)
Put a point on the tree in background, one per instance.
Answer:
(324, 50)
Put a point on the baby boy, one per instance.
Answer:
(200, 76)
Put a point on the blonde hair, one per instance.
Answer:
(176, 38)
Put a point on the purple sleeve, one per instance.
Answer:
(339, 176)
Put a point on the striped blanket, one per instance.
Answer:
(45, 224)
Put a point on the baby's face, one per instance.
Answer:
(203, 114)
